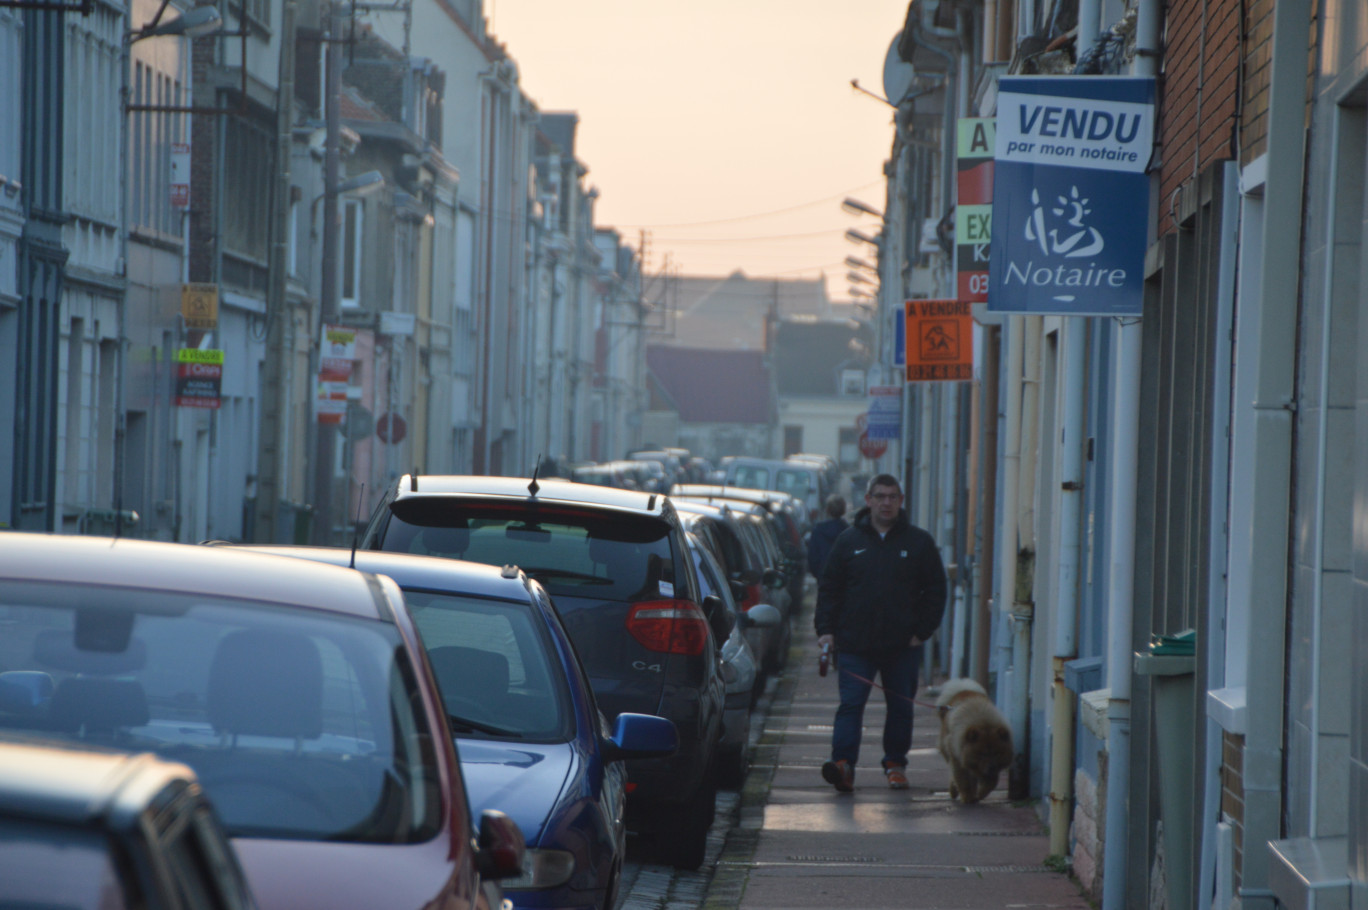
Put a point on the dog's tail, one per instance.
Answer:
(955, 687)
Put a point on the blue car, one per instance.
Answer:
(530, 737)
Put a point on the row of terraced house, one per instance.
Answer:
(1158, 523)
(167, 207)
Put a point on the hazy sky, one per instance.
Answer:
(724, 127)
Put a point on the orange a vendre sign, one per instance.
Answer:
(940, 340)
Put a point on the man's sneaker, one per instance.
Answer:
(897, 779)
(840, 775)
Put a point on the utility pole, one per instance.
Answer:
(328, 304)
(275, 399)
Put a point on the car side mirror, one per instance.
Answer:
(738, 589)
(500, 847)
(774, 579)
(761, 616)
(721, 621)
(640, 736)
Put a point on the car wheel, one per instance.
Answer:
(685, 847)
(732, 766)
(776, 660)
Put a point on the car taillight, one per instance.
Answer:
(669, 626)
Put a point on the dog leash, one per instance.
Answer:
(871, 682)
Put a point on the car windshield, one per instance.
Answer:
(300, 724)
(751, 477)
(794, 483)
(570, 551)
(495, 666)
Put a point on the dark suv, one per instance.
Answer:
(617, 566)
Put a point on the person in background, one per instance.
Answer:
(881, 595)
(824, 533)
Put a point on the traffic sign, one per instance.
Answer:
(872, 448)
(391, 428)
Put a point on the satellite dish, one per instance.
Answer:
(898, 74)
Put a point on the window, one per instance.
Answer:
(353, 224)
(248, 161)
(849, 454)
(793, 440)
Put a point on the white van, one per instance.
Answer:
(806, 482)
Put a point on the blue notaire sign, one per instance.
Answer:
(1070, 194)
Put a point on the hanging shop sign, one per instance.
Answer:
(199, 306)
(180, 176)
(337, 350)
(1070, 195)
(974, 207)
(199, 378)
(940, 340)
(884, 420)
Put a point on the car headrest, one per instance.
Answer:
(267, 682)
(97, 704)
(469, 671)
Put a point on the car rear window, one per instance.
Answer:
(495, 665)
(300, 724)
(570, 551)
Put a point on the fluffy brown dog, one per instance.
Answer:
(974, 739)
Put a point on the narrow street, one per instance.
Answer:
(787, 840)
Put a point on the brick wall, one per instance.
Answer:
(1198, 97)
(1258, 62)
(1089, 819)
(1232, 794)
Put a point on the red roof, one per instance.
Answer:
(710, 386)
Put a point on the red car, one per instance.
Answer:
(298, 692)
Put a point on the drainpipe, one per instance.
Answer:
(1275, 356)
(1023, 609)
(988, 465)
(1089, 26)
(1121, 550)
(1066, 610)
(1008, 543)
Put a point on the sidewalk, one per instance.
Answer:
(799, 843)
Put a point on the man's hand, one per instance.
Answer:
(824, 640)
(914, 642)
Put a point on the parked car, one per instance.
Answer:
(740, 666)
(751, 581)
(804, 480)
(299, 693)
(88, 828)
(617, 566)
(532, 740)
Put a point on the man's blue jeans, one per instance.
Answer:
(897, 673)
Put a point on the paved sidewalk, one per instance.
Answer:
(798, 843)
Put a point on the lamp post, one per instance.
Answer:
(328, 299)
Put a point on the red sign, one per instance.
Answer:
(872, 448)
(391, 428)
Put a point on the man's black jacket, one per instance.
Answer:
(875, 594)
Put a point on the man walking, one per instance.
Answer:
(824, 533)
(880, 596)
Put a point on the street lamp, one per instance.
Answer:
(195, 23)
(855, 236)
(859, 278)
(855, 262)
(360, 184)
(856, 207)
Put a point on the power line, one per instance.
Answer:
(792, 208)
(668, 241)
